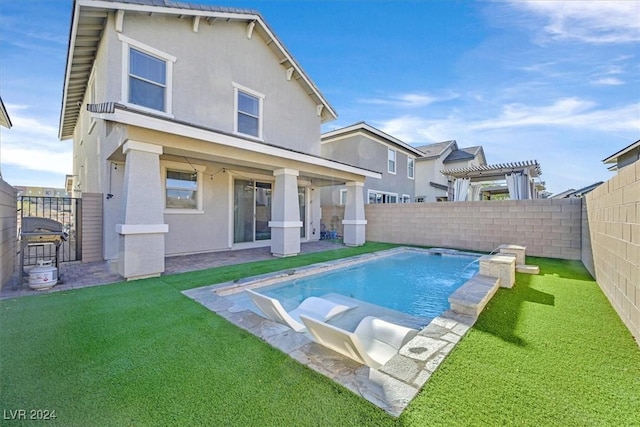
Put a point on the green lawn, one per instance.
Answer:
(549, 351)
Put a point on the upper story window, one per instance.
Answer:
(248, 120)
(410, 167)
(148, 75)
(392, 161)
(147, 80)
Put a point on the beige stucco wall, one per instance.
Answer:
(208, 63)
(427, 171)
(548, 228)
(373, 154)
(613, 213)
(8, 232)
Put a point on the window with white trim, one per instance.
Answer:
(147, 80)
(406, 198)
(343, 197)
(182, 187)
(391, 156)
(376, 197)
(148, 75)
(248, 120)
(410, 167)
(92, 98)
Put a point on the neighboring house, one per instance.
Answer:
(628, 155)
(431, 184)
(370, 148)
(4, 116)
(200, 129)
(577, 193)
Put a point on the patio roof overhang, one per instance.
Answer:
(194, 142)
(494, 172)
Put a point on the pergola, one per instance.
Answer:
(519, 176)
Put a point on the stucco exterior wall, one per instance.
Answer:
(8, 232)
(367, 153)
(208, 63)
(548, 228)
(613, 214)
(427, 171)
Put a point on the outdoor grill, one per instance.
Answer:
(41, 231)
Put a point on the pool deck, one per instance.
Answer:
(77, 275)
(392, 386)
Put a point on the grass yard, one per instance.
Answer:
(550, 351)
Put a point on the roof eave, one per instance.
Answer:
(4, 116)
(614, 157)
(327, 136)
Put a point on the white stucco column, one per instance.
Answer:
(141, 251)
(354, 222)
(285, 214)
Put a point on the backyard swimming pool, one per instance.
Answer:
(415, 282)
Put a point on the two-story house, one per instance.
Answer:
(200, 129)
(364, 145)
(431, 184)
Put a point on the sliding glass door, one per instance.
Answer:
(302, 203)
(251, 211)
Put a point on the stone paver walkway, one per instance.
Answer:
(80, 275)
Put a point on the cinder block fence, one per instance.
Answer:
(613, 238)
(547, 227)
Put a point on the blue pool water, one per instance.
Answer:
(412, 282)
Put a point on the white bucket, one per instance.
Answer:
(43, 277)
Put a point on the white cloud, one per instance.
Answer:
(27, 125)
(33, 144)
(410, 100)
(564, 113)
(567, 112)
(608, 81)
(38, 160)
(588, 21)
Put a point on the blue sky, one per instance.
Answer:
(558, 82)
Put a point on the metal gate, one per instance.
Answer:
(65, 210)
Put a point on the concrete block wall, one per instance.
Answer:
(613, 215)
(547, 227)
(8, 233)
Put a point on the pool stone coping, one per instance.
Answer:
(391, 387)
